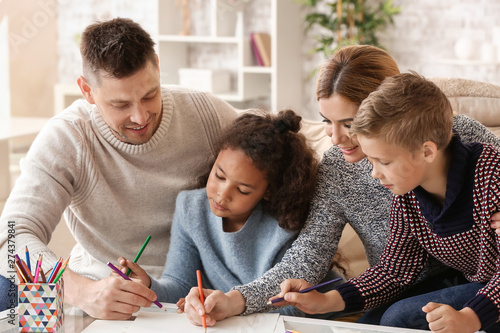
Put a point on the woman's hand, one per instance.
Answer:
(310, 302)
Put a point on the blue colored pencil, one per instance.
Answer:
(27, 254)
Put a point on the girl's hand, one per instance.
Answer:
(180, 305)
(218, 305)
(310, 302)
(137, 272)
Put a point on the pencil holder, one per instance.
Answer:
(40, 306)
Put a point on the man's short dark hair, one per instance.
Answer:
(116, 48)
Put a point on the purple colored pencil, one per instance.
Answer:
(276, 300)
(113, 267)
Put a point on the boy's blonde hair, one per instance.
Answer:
(406, 110)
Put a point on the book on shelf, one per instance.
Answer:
(261, 45)
(255, 50)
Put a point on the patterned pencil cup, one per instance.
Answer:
(40, 306)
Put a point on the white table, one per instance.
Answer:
(11, 128)
(75, 321)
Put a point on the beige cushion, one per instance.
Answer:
(478, 100)
(315, 133)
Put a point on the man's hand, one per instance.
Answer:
(137, 272)
(443, 318)
(310, 302)
(110, 298)
(218, 305)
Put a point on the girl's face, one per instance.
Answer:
(338, 112)
(235, 186)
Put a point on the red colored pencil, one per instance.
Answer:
(55, 270)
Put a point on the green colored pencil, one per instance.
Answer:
(139, 253)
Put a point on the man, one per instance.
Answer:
(113, 163)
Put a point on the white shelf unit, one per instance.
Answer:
(281, 83)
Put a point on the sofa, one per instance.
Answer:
(478, 100)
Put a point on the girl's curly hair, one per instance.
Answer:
(276, 147)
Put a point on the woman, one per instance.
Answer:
(346, 192)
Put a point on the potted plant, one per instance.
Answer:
(345, 22)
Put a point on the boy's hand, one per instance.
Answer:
(495, 222)
(310, 302)
(218, 305)
(137, 273)
(443, 318)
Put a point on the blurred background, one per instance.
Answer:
(209, 44)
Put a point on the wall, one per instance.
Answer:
(74, 16)
(426, 31)
(423, 38)
(32, 55)
(4, 68)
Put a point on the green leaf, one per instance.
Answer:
(322, 14)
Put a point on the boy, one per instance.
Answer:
(445, 192)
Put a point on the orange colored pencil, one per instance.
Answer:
(202, 298)
(29, 276)
(19, 273)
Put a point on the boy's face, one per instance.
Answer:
(338, 113)
(397, 169)
(131, 106)
(235, 186)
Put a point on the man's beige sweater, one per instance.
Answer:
(113, 194)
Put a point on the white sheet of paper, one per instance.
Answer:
(174, 322)
(310, 325)
(105, 326)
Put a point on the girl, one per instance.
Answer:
(255, 201)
